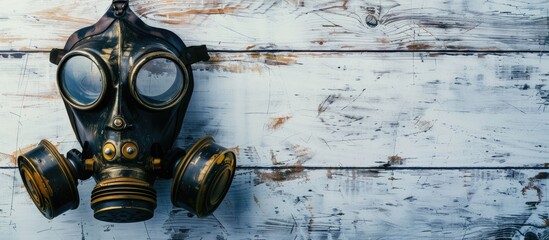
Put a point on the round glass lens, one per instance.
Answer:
(81, 80)
(159, 81)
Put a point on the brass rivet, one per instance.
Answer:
(118, 122)
(129, 150)
(109, 151)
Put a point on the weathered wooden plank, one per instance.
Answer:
(330, 109)
(298, 24)
(318, 204)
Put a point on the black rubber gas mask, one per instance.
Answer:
(126, 87)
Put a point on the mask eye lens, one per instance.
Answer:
(81, 80)
(159, 81)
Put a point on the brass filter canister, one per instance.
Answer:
(203, 177)
(49, 180)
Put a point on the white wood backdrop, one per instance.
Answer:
(351, 119)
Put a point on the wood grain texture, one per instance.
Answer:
(329, 109)
(317, 98)
(298, 24)
(317, 204)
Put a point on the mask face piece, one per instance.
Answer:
(126, 88)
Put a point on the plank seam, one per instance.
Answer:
(391, 168)
(331, 51)
(375, 168)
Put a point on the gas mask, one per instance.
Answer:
(126, 87)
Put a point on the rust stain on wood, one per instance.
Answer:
(458, 47)
(383, 40)
(364, 173)
(59, 14)
(278, 122)
(53, 95)
(301, 154)
(275, 59)
(173, 16)
(280, 175)
(10, 157)
(395, 160)
(238, 63)
(24, 150)
(10, 39)
(236, 150)
(13, 156)
(242, 68)
(208, 11)
(419, 46)
(319, 42)
(292, 172)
